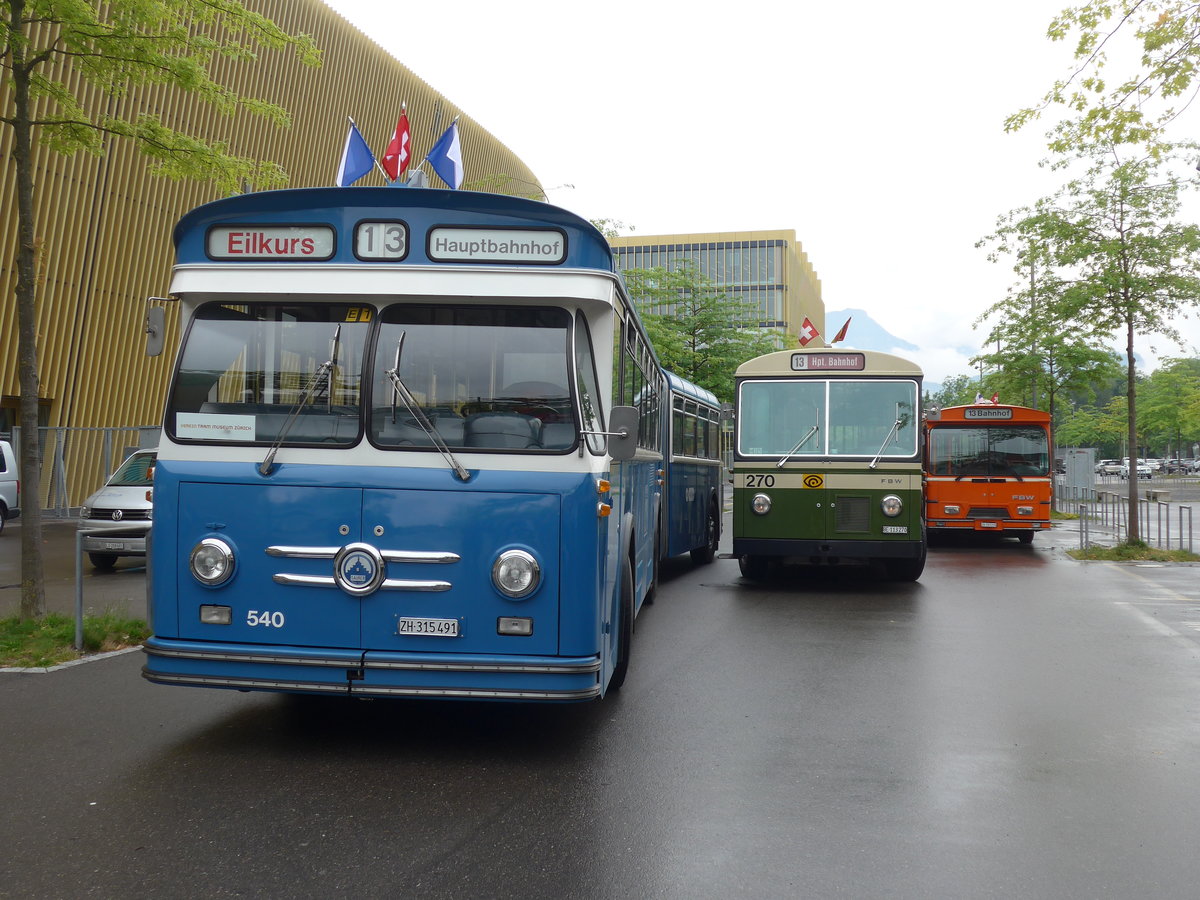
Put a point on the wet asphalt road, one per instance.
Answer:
(1014, 725)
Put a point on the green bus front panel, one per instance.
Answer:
(826, 506)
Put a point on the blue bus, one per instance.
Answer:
(412, 447)
(693, 495)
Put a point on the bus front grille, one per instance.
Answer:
(852, 514)
(987, 512)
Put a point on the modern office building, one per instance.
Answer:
(768, 269)
(105, 222)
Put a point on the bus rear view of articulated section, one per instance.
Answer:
(396, 460)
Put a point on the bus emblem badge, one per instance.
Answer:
(358, 569)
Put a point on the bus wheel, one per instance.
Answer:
(905, 569)
(704, 555)
(754, 567)
(624, 628)
(1025, 537)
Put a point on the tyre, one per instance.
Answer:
(624, 628)
(104, 561)
(3, 517)
(1025, 537)
(753, 567)
(906, 569)
(704, 555)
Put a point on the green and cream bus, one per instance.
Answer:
(827, 462)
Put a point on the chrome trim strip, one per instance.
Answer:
(389, 584)
(518, 668)
(437, 557)
(304, 552)
(400, 584)
(265, 658)
(549, 668)
(434, 557)
(245, 683)
(358, 689)
(307, 580)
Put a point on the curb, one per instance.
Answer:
(45, 670)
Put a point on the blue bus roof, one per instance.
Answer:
(683, 386)
(421, 209)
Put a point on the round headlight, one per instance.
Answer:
(761, 504)
(516, 574)
(212, 561)
(891, 505)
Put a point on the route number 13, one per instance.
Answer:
(380, 240)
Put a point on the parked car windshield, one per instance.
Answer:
(135, 471)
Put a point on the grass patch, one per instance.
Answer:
(50, 640)
(1134, 551)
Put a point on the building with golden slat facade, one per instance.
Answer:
(104, 223)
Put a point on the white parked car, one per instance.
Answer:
(118, 515)
(1142, 467)
(10, 485)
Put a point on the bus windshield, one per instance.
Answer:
(246, 369)
(835, 418)
(485, 377)
(994, 450)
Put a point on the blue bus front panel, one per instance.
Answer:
(292, 627)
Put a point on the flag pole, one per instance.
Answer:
(373, 159)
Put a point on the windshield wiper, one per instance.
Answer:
(418, 415)
(800, 443)
(326, 367)
(887, 440)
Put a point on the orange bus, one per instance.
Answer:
(988, 468)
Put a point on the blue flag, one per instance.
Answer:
(446, 157)
(357, 158)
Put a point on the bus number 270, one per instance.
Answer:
(759, 481)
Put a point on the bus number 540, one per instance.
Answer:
(264, 618)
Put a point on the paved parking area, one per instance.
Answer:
(122, 590)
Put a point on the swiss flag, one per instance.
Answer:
(808, 331)
(396, 159)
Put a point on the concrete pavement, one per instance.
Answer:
(121, 590)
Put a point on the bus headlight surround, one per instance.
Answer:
(760, 504)
(891, 505)
(516, 574)
(212, 562)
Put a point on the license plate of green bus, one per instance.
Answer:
(419, 627)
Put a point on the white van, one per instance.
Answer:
(10, 485)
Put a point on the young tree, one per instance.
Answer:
(1138, 105)
(699, 333)
(51, 53)
(1170, 403)
(957, 390)
(1038, 356)
(1128, 267)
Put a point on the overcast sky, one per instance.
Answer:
(873, 129)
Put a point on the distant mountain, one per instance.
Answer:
(864, 332)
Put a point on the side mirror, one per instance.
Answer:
(622, 432)
(156, 332)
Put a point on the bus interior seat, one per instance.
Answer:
(558, 435)
(510, 431)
